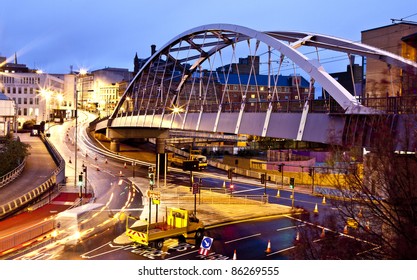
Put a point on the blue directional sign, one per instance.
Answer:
(206, 243)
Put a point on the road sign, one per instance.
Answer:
(205, 245)
(153, 194)
(195, 188)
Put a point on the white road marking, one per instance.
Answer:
(242, 238)
(280, 251)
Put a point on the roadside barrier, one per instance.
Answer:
(57, 176)
(20, 237)
(9, 177)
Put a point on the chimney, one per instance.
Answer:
(153, 49)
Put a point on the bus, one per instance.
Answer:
(75, 224)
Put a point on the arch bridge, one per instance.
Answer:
(233, 80)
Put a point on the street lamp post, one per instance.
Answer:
(133, 169)
(76, 134)
(82, 72)
(85, 180)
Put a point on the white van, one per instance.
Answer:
(74, 225)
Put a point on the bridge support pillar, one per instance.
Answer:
(160, 157)
(115, 146)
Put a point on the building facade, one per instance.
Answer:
(35, 94)
(100, 90)
(389, 81)
(7, 115)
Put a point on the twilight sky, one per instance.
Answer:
(53, 34)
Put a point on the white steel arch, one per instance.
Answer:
(276, 40)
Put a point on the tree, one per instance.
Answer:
(378, 205)
(12, 152)
(382, 199)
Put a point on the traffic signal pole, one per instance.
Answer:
(151, 177)
(292, 186)
(292, 200)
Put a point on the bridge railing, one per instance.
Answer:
(388, 104)
(9, 177)
(406, 104)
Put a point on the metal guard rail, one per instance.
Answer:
(25, 200)
(9, 177)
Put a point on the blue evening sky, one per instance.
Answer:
(52, 35)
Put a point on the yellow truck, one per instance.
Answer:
(178, 161)
(180, 224)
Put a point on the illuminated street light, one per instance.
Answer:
(177, 110)
(82, 71)
(59, 98)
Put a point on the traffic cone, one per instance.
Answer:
(278, 194)
(98, 168)
(268, 248)
(120, 173)
(324, 200)
(234, 255)
(105, 161)
(345, 230)
(297, 237)
(224, 184)
(360, 215)
(316, 209)
(367, 227)
(323, 233)
(124, 165)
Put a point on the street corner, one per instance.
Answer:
(122, 239)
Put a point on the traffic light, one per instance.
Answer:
(280, 168)
(190, 165)
(230, 173)
(151, 179)
(292, 183)
(80, 178)
(151, 176)
(310, 172)
(263, 178)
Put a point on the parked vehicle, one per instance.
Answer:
(178, 161)
(180, 223)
